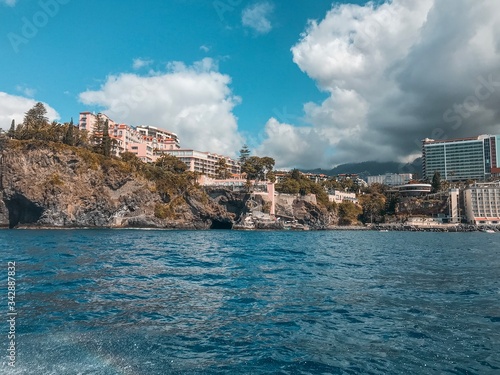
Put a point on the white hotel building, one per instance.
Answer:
(482, 203)
(390, 179)
(203, 162)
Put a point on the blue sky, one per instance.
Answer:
(227, 72)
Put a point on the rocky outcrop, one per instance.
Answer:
(53, 185)
(58, 186)
(304, 211)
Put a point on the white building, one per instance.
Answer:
(454, 214)
(204, 162)
(338, 197)
(390, 179)
(460, 159)
(482, 203)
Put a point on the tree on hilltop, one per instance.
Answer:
(35, 121)
(69, 136)
(244, 154)
(12, 131)
(257, 168)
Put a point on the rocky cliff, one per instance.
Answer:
(53, 185)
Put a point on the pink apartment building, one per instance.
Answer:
(149, 143)
(144, 141)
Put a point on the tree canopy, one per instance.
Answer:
(257, 168)
(436, 182)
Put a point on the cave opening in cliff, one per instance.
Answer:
(22, 211)
(218, 224)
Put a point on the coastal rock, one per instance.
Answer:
(46, 184)
(53, 185)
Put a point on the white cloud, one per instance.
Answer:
(204, 48)
(395, 74)
(9, 3)
(195, 102)
(14, 107)
(26, 91)
(256, 17)
(290, 145)
(141, 63)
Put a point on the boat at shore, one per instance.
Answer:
(488, 231)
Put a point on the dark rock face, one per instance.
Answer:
(22, 211)
(309, 214)
(58, 186)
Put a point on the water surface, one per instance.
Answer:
(185, 302)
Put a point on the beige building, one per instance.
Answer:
(482, 203)
(338, 197)
(390, 179)
(204, 162)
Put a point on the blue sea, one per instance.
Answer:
(146, 302)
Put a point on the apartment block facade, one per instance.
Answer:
(149, 143)
(462, 159)
(482, 203)
(204, 162)
(390, 179)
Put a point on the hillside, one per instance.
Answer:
(373, 168)
(54, 185)
(49, 184)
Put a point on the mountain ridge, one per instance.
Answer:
(371, 168)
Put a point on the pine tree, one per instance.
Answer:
(97, 135)
(69, 137)
(436, 182)
(12, 131)
(35, 120)
(244, 154)
(106, 140)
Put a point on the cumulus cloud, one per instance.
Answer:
(396, 73)
(9, 3)
(195, 102)
(256, 17)
(26, 91)
(14, 107)
(141, 63)
(289, 144)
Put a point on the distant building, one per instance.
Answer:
(454, 206)
(338, 197)
(482, 203)
(203, 162)
(88, 121)
(146, 142)
(390, 179)
(315, 177)
(153, 132)
(461, 159)
(281, 176)
(414, 190)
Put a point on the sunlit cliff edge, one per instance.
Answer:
(52, 185)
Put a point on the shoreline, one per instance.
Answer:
(461, 228)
